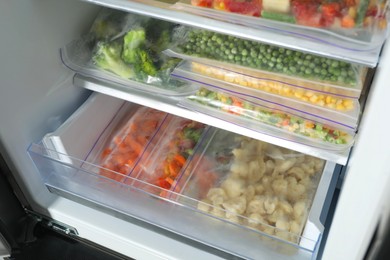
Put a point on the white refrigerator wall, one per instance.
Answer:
(36, 96)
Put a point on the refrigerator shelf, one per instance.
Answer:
(171, 105)
(311, 41)
(79, 179)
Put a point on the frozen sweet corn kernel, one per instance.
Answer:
(277, 88)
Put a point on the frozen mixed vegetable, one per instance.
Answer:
(276, 85)
(179, 149)
(176, 145)
(229, 49)
(331, 14)
(276, 118)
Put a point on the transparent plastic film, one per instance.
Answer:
(253, 184)
(271, 119)
(164, 162)
(126, 49)
(333, 97)
(324, 106)
(124, 142)
(363, 22)
(231, 52)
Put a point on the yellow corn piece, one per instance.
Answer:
(340, 107)
(309, 124)
(321, 103)
(313, 99)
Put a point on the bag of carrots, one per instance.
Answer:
(130, 143)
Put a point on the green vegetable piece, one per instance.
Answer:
(144, 64)
(133, 41)
(193, 134)
(212, 95)
(361, 12)
(108, 57)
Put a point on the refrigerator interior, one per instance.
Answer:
(38, 95)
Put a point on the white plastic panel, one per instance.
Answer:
(312, 43)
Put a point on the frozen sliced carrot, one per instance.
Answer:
(137, 147)
(174, 168)
(106, 152)
(180, 159)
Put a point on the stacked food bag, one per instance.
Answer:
(313, 98)
(364, 21)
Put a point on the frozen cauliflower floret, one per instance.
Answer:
(250, 193)
(234, 187)
(285, 206)
(299, 209)
(318, 164)
(300, 159)
(261, 147)
(296, 192)
(266, 181)
(291, 180)
(306, 182)
(217, 196)
(268, 229)
(239, 154)
(283, 224)
(297, 172)
(256, 170)
(235, 205)
(239, 169)
(269, 166)
(255, 220)
(280, 186)
(204, 205)
(218, 211)
(295, 227)
(308, 167)
(282, 166)
(275, 216)
(270, 204)
(256, 205)
(259, 188)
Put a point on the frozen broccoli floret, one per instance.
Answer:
(132, 42)
(145, 63)
(108, 57)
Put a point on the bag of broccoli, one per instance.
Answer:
(121, 46)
